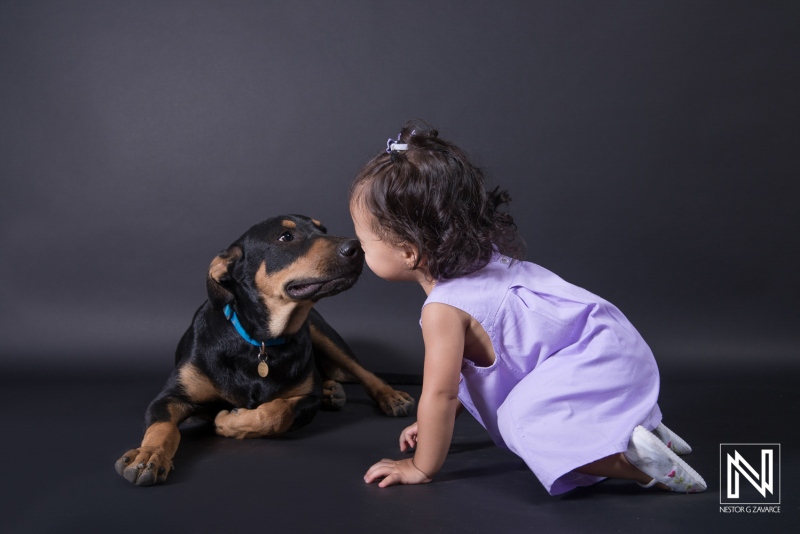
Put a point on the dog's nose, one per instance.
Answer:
(349, 248)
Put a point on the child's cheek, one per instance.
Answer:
(368, 261)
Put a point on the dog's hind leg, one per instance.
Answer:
(333, 353)
(333, 396)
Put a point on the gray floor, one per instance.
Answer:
(62, 434)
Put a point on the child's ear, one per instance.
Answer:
(410, 255)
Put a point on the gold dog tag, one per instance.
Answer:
(263, 369)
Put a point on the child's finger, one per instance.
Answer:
(406, 443)
(408, 438)
(378, 470)
(373, 474)
(390, 480)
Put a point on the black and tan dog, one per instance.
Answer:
(257, 359)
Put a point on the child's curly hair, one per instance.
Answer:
(431, 196)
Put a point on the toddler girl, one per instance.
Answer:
(554, 373)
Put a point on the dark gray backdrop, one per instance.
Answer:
(650, 147)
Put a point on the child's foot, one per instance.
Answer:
(648, 454)
(672, 440)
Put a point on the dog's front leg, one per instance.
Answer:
(152, 461)
(269, 419)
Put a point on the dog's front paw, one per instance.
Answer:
(396, 403)
(234, 423)
(333, 396)
(224, 423)
(269, 419)
(145, 466)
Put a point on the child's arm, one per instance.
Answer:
(408, 437)
(443, 329)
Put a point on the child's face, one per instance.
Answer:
(390, 262)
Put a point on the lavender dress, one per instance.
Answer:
(572, 377)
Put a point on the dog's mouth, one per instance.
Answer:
(315, 289)
(302, 290)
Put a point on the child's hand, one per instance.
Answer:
(396, 472)
(408, 438)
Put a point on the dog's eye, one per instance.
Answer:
(286, 236)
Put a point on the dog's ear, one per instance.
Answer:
(320, 226)
(219, 277)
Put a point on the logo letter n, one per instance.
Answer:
(738, 465)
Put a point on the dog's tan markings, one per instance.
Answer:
(316, 223)
(391, 401)
(274, 417)
(286, 316)
(270, 418)
(288, 224)
(340, 359)
(164, 436)
(300, 390)
(178, 411)
(196, 385)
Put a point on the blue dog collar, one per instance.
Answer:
(234, 319)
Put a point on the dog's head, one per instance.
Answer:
(274, 273)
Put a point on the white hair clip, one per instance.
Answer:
(393, 145)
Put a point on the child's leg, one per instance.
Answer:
(617, 466)
(649, 462)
